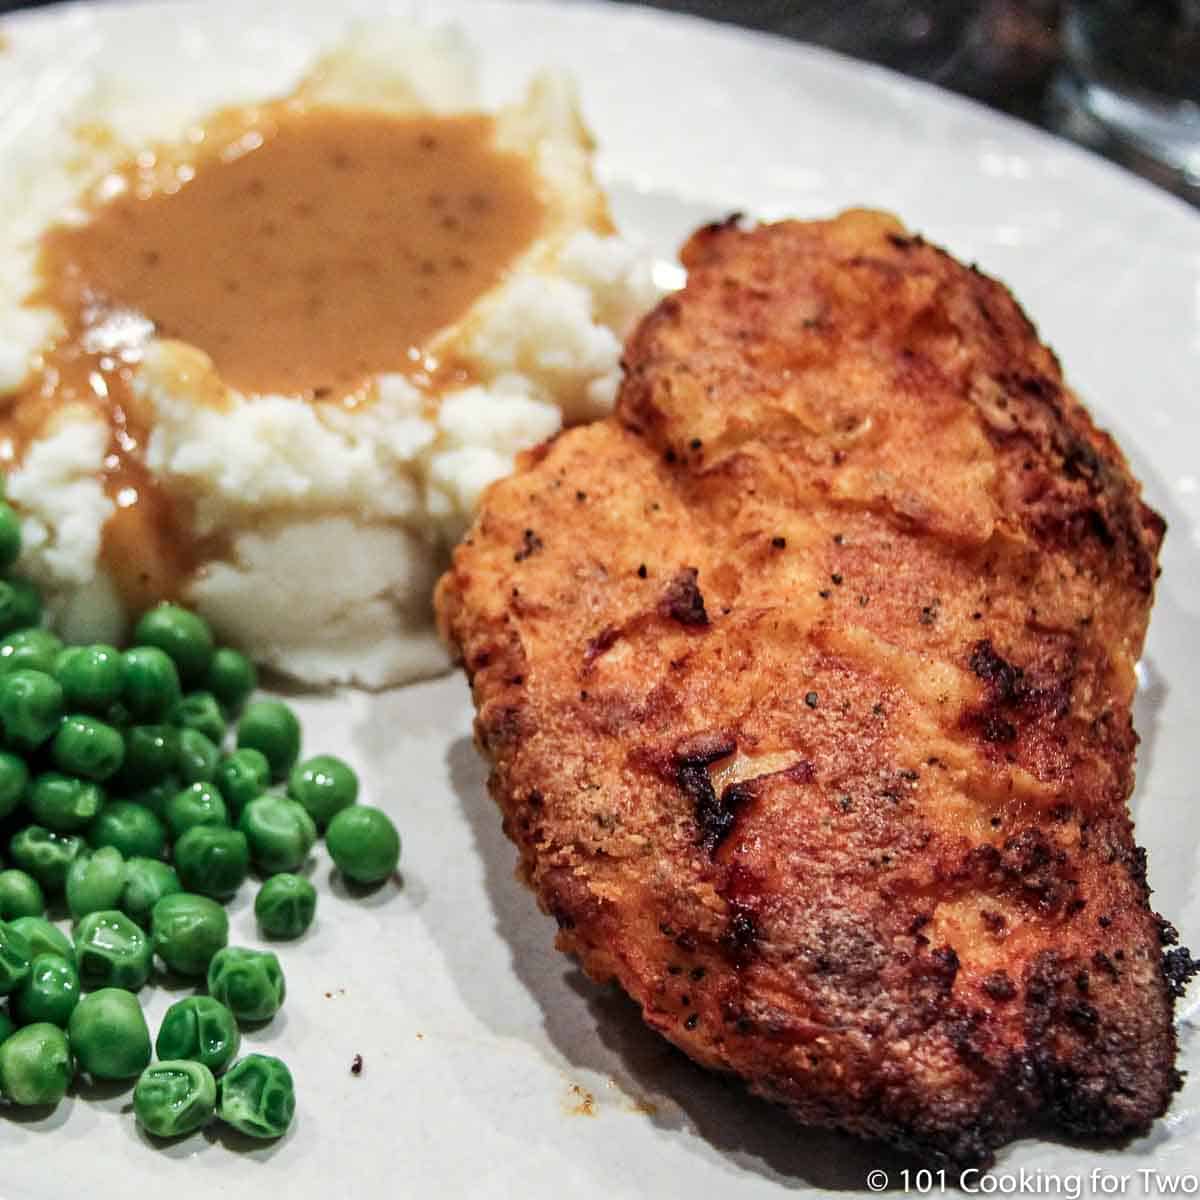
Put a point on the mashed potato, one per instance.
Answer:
(333, 520)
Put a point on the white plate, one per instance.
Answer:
(479, 1041)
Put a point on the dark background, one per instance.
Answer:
(1005, 53)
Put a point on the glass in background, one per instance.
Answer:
(1134, 67)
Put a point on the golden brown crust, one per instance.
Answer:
(806, 679)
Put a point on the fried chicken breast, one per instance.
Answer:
(806, 681)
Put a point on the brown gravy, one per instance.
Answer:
(314, 250)
(304, 251)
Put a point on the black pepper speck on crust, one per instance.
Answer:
(683, 601)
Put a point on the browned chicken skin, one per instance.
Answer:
(806, 679)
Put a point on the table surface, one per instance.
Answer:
(1004, 53)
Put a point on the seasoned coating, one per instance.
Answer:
(806, 680)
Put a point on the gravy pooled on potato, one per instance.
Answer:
(303, 250)
(313, 250)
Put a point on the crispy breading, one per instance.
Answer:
(807, 680)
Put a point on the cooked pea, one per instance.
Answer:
(45, 855)
(131, 828)
(44, 937)
(199, 804)
(34, 648)
(112, 952)
(201, 1030)
(109, 1034)
(241, 777)
(363, 843)
(20, 895)
(35, 1065)
(248, 982)
(149, 683)
(231, 678)
(188, 930)
(20, 605)
(91, 676)
(147, 881)
(258, 1096)
(10, 535)
(200, 711)
(64, 803)
(324, 785)
(14, 959)
(95, 881)
(271, 727)
(198, 757)
(181, 634)
(151, 755)
(279, 831)
(174, 1097)
(285, 906)
(87, 746)
(31, 706)
(212, 860)
(14, 781)
(49, 992)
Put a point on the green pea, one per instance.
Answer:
(285, 906)
(198, 757)
(201, 1030)
(258, 1096)
(64, 803)
(109, 1034)
(324, 785)
(31, 706)
(44, 937)
(131, 828)
(86, 746)
(91, 676)
(151, 755)
(10, 535)
(112, 952)
(188, 930)
(363, 843)
(279, 831)
(241, 777)
(174, 1097)
(231, 678)
(272, 728)
(20, 895)
(35, 1065)
(248, 982)
(181, 634)
(14, 780)
(200, 804)
(20, 605)
(49, 992)
(95, 881)
(45, 855)
(149, 683)
(33, 648)
(212, 860)
(14, 959)
(147, 881)
(200, 711)
(7, 1028)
